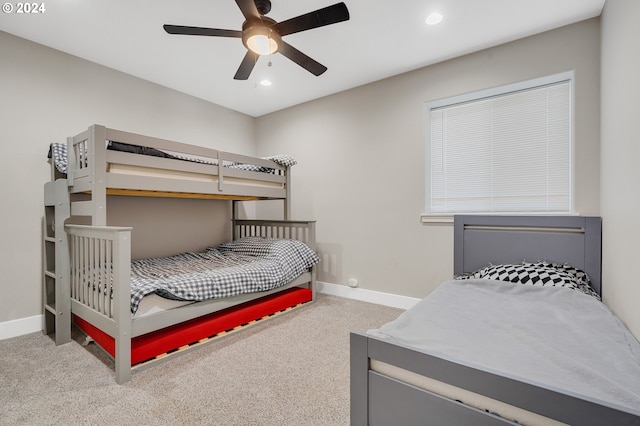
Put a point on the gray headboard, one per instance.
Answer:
(481, 240)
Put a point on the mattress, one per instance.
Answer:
(554, 337)
(127, 169)
(246, 265)
(58, 154)
(152, 303)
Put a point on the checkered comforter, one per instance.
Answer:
(247, 265)
(58, 154)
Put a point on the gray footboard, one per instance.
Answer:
(101, 255)
(100, 267)
(379, 399)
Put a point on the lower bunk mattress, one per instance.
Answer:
(246, 265)
(556, 338)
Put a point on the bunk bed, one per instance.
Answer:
(91, 279)
(485, 349)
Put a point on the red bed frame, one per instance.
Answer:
(151, 345)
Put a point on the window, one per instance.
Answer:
(504, 150)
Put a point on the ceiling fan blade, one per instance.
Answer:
(321, 17)
(246, 66)
(301, 59)
(179, 29)
(248, 8)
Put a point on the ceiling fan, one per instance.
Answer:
(263, 36)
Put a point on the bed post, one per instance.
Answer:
(234, 216)
(287, 203)
(97, 155)
(359, 379)
(311, 241)
(458, 252)
(593, 250)
(122, 311)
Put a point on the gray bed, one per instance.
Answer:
(480, 347)
(87, 268)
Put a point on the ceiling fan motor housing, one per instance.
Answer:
(263, 6)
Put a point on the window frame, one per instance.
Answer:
(439, 217)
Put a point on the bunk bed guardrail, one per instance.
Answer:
(91, 166)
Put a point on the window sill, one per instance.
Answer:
(445, 219)
(436, 219)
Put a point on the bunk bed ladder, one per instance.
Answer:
(56, 302)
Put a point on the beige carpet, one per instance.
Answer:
(291, 370)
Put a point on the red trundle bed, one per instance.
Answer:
(91, 279)
(520, 338)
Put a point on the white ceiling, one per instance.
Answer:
(383, 38)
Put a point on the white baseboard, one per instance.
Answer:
(387, 299)
(20, 326)
(32, 324)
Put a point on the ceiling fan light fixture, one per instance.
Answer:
(261, 40)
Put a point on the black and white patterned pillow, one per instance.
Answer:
(579, 275)
(538, 274)
(527, 274)
(582, 278)
(281, 248)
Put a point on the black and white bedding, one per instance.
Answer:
(247, 265)
(58, 154)
(542, 273)
(555, 337)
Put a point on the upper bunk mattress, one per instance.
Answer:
(247, 265)
(555, 337)
(58, 153)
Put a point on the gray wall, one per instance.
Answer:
(45, 96)
(362, 155)
(620, 151)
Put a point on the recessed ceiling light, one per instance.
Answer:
(266, 82)
(433, 19)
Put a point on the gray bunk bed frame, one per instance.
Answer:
(74, 252)
(378, 399)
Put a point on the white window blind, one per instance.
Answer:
(505, 153)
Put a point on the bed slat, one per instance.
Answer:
(92, 253)
(297, 230)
